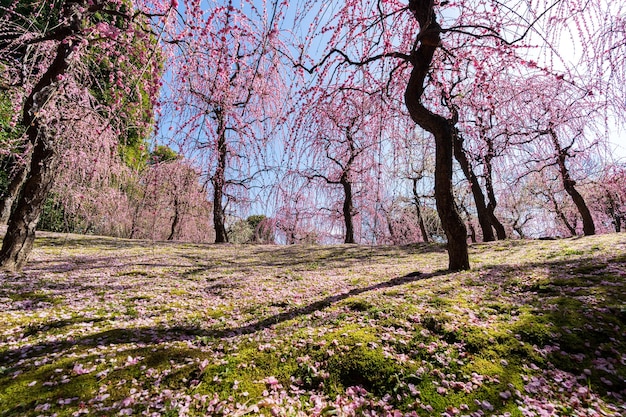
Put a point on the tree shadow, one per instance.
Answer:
(570, 287)
(185, 333)
(576, 315)
(295, 257)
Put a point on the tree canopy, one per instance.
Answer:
(350, 121)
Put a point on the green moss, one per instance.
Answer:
(34, 296)
(588, 268)
(440, 302)
(358, 304)
(365, 367)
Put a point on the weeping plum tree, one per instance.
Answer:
(45, 49)
(172, 204)
(610, 195)
(421, 48)
(560, 117)
(474, 144)
(405, 42)
(296, 217)
(414, 161)
(225, 92)
(339, 134)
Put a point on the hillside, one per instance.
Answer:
(103, 326)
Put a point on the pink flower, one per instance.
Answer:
(271, 381)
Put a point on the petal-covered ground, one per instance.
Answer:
(102, 326)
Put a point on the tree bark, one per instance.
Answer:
(218, 180)
(15, 185)
(418, 212)
(479, 198)
(175, 220)
(443, 131)
(348, 208)
(491, 195)
(589, 227)
(18, 241)
(561, 215)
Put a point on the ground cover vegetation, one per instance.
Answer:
(108, 326)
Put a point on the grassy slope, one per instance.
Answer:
(116, 327)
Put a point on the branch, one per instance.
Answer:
(348, 60)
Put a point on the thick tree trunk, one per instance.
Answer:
(443, 131)
(348, 209)
(18, 241)
(15, 185)
(218, 213)
(20, 235)
(418, 212)
(219, 180)
(589, 227)
(479, 198)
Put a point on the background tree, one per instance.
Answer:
(609, 195)
(171, 203)
(414, 163)
(339, 135)
(10, 161)
(297, 220)
(226, 93)
(561, 117)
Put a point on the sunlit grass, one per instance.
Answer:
(103, 326)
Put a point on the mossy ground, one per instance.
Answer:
(102, 326)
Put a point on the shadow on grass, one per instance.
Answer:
(295, 256)
(574, 321)
(157, 335)
(562, 308)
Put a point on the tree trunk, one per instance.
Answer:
(561, 215)
(491, 195)
(479, 198)
(470, 226)
(15, 185)
(18, 241)
(20, 235)
(472, 232)
(589, 227)
(418, 212)
(443, 131)
(175, 220)
(519, 231)
(219, 179)
(348, 209)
